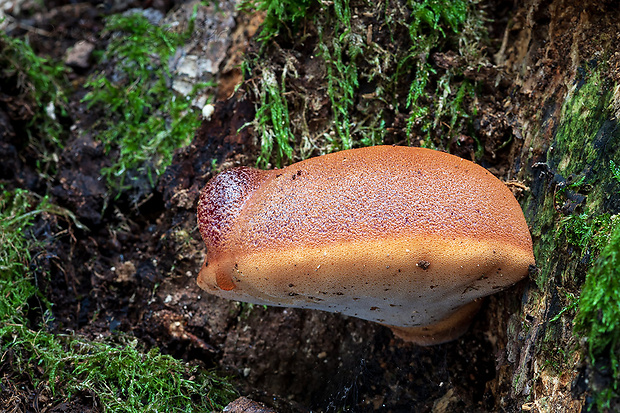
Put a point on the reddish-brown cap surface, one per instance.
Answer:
(403, 236)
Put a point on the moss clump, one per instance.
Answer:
(579, 214)
(377, 65)
(39, 86)
(598, 318)
(16, 216)
(577, 211)
(118, 372)
(587, 122)
(588, 232)
(341, 55)
(429, 18)
(142, 118)
(279, 14)
(273, 122)
(571, 212)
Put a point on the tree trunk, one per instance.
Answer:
(563, 57)
(552, 91)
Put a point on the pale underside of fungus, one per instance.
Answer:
(411, 238)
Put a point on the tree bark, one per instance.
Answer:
(563, 59)
(556, 76)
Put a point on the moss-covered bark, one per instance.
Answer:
(562, 57)
(541, 114)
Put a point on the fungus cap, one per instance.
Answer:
(408, 237)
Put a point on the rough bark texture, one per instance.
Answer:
(556, 70)
(563, 59)
(545, 121)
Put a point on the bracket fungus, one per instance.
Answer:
(407, 237)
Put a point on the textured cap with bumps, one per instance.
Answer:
(408, 237)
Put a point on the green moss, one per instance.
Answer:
(575, 212)
(39, 84)
(598, 318)
(142, 118)
(615, 170)
(15, 289)
(273, 122)
(122, 376)
(341, 54)
(429, 18)
(371, 85)
(586, 117)
(588, 232)
(542, 226)
(575, 225)
(572, 303)
(279, 14)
